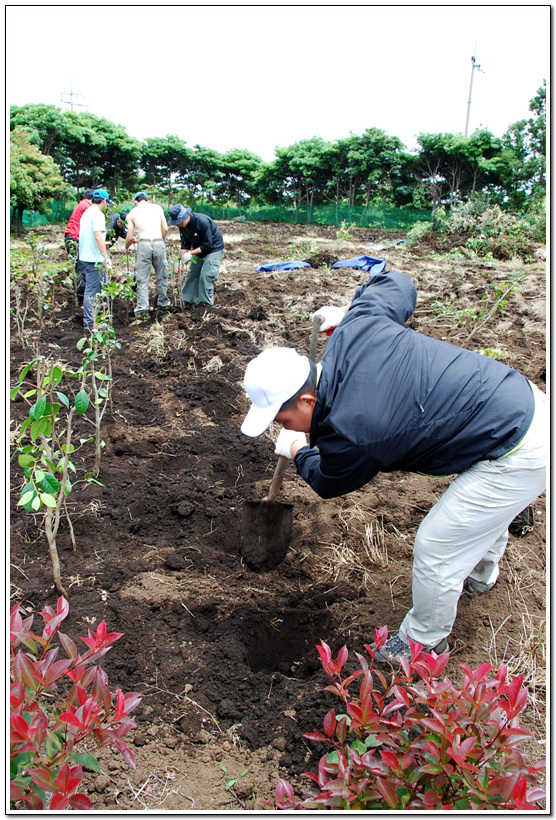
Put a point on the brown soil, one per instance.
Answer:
(225, 657)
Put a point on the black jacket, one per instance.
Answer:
(390, 398)
(202, 232)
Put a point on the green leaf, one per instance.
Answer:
(26, 369)
(81, 342)
(36, 503)
(38, 409)
(94, 481)
(26, 498)
(30, 393)
(86, 760)
(40, 427)
(49, 484)
(56, 375)
(14, 392)
(24, 426)
(19, 762)
(81, 402)
(25, 460)
(68, 487)
(63, 398)
(48, 500)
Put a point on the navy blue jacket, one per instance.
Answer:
(390, 398)
(202, 232)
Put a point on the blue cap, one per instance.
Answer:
(141, 193)
(100, 193)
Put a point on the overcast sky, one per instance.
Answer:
(257, 77)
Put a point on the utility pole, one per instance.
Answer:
(71, 94)
(474, 65)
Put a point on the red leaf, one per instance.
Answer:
(317, 736)
(19, 725)
(324, 652)
(24, 670)
(15, 792)
(69, 646)
(330, 722)
(387, 791)
(69, 778)
(73, 720)
(59, 801)
(80, 802)
(43, 779)
(519, 790)
(390, 759)
(342, 656)
(126, 752)
(56, 671)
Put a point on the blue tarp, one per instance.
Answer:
(284, 266)
(362, 263)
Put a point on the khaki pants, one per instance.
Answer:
(199, 282)
(151, 253)
(466, 532)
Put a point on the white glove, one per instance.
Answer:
(286, 439)
(332, 317)
(186, 257)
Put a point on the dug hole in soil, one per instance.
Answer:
(225, 657)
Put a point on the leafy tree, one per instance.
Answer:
(45, 125)
(525, 145)
(303, 172)
(203, 174)
(98, 152)
(34, 177)
(240, 169)
(371, 168)
(162, 159)
(454, 167)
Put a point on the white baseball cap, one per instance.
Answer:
(272, 378)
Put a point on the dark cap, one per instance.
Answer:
(177, 214)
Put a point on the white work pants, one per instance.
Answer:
(466, 532)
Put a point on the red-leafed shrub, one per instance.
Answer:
(415, 741)
(59, 709)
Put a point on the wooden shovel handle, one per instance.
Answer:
(277, 477)
(317, 322)
(282, 463)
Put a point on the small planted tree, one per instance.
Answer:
(45, 446)
(97, 378)
(60, 710)
(413, 741)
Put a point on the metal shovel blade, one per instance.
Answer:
(266, 531)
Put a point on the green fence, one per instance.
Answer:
(385, 217)
(374, 217)
(54, 212)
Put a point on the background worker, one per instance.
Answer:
(93, 252)
(148, 220)
(203, 245)
(71, 241)
(117, 228)
(387, 398)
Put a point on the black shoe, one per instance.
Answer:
(475, 588)
(142, 316)
(396, 648)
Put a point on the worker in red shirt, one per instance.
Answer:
(71, 241)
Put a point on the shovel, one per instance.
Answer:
(266, 526)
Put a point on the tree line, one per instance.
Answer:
(57, 153)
